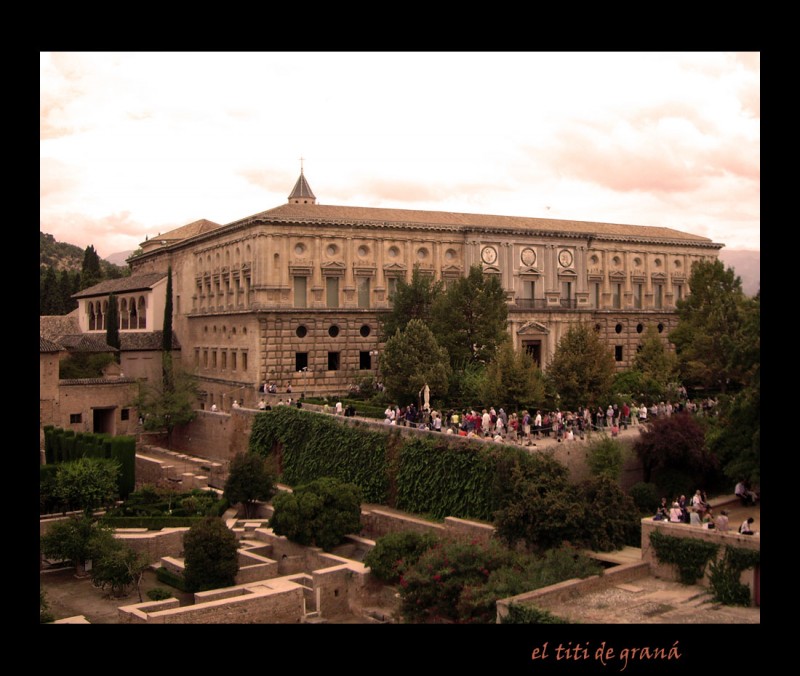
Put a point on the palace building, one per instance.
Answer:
(293, 295)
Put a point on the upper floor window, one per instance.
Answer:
(332, 291)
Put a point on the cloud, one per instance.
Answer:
(110, 234)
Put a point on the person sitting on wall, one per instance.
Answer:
(747, 497)
(745, 528)
(675, 513)
(721, 522)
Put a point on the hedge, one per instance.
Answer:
(151, 522)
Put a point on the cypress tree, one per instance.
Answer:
(166, 342)
(91, 273)
(112, 324)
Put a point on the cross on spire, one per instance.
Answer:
(301, 164)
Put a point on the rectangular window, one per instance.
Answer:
(244, 361)
(528, 289)
(595, 295)
(300, 297)
(618, 352)
(333, 361)
(197, 357)
(566, 290)
(658, 296)
(617, 296)
(177, 305)
(233, 361)
(678, 292)
(300, 361)
(75, 418)
(637, 296)
(205, 358)
(125, 414)
(364, 360)
(332, 291)
(363, 291)
(224, 359)
(213, 359)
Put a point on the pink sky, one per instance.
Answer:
(134, 144)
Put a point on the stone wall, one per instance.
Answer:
(569, 589)
(155, 544)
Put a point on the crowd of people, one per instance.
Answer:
(699, 512)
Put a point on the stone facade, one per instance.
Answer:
(293, 295)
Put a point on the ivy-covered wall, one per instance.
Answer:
(442, 476)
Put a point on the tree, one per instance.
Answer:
(513, 380)
(470, 320)
(675, 443)
(91, 273)
(611, 520)
(541, 508)
(582, 369)
(112, 324)
(654, 361)
(249, 479)
(166, 337)
(68, 283)
(76, 539)
(87, 483)
(119, 567)
(164, 405)
(412, 359)
(45, 616)
(708, 337)
(605, 457)
(211, 555)
(319, 513)
(49, 301)
(411, 301)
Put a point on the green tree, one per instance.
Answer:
(708, 337)
(249, 479)
(166, 338)
(87, 483)
(581, 371)
(211, 555)
(513, 380)
(319, 513)
(91, 272)
(412, 359)
(675, 443)
(394, 553)
(49, 301)
(540, 508)
(164, 405)
(84, 365)
(605, 457)
(112, 324)
(68, 283)
(655, 361)
(470, 320)
(76, 539)
(610, 519)
(45, 616)
(118, 567)
(409, 301)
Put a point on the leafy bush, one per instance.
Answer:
(319, 513)
(76, 539)
(725, 576)
(158, 594)
(527, 614)
(249, 479)
(645, 497)
(690, 556)
(610, 519)
(394, 553)
(45, 615)
(211, 555)
(117, 568)
(87, 483)
(172, 579)
(48, 502)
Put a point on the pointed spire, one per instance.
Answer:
(301, 194)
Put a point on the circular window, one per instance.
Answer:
(677, 264)
(301, 331)
(332, 250)
(597, 328)
(594, 260)
(394, 252)
(660, 328)
(637, 262)
(450, 254)
(333, 331)
(299, 249)
(422, 253)
(618, 328)
(365, 331)
(616, 260)
(657, 262)
(639, 328)
(363, 251)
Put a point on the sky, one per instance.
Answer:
(134, 144)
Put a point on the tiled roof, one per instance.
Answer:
(121, 285)
(48, 345)
(84, 342)
(145, 341)
(190, 230)
(97, 381)
(52, 327)
(397, 218)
